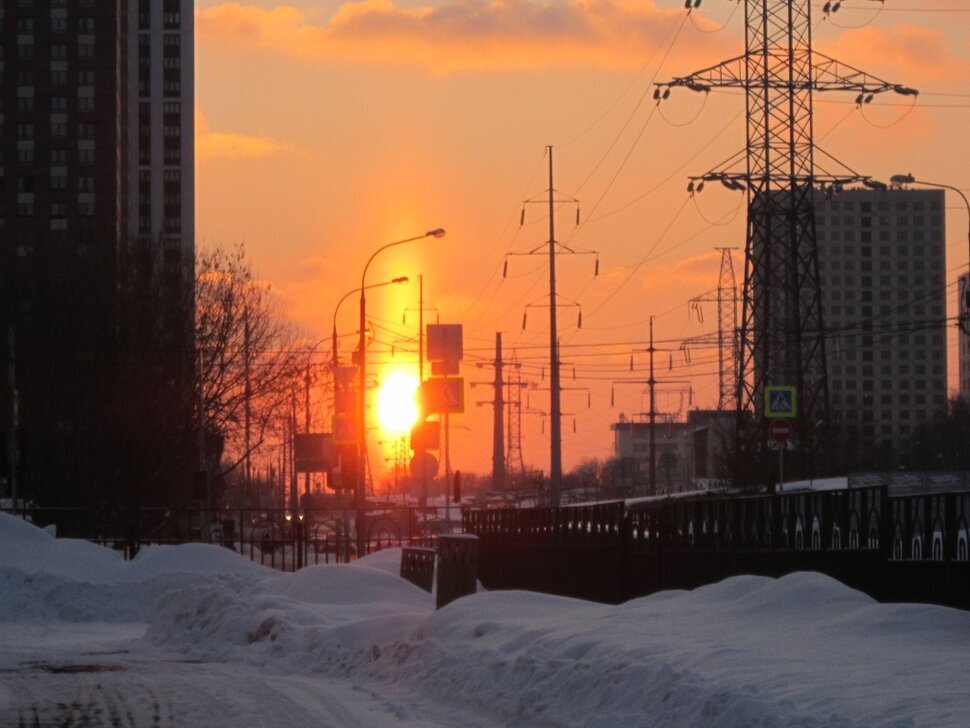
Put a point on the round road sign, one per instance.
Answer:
(780, 430)
(424, 465)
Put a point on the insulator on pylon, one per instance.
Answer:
(670, 363)
(589, 400)
(522, 217)
(666, 94)
(690, 186)
(505, 268)
(524, 315)
(869, 98)
(631, 362)
(579, 323)
(700, 185)
(574, 424)
(656, 94)
(612, 396)
(577, 216)
(596, 268)
(697, 3)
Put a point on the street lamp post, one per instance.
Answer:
(908, 179)
(333, 359)
(362, 382)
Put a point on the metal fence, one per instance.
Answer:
(911, 547)
(273, 537)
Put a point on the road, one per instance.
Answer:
(104, 675)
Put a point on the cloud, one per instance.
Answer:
(459, 35)
(228, 145)
(904, 54)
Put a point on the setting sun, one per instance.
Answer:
(397, 409)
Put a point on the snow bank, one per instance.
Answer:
(750, 651)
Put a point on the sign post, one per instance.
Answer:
(780, 432)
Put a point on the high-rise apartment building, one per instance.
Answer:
(883, 278)
(96, 181)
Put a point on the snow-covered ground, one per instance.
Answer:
(195, 635)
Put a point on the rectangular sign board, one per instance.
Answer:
(311, 452)
(445, 342)
(443, 396)
(344, 429)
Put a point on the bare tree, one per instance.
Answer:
(249, 359)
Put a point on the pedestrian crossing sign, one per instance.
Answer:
(780, 401)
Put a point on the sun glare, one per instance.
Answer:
(397, 409)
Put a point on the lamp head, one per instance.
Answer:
(436, 233)
(400, 279)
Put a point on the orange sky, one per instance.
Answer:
(326, 129)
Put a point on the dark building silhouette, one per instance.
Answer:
(96, 245)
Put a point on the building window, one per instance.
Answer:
(172, 14)
(58, 104)
(85, 104)
(144, 133)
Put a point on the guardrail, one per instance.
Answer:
(274, 537)
(907, 547)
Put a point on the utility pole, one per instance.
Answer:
(306, 419)
(782, 336)
(555, 435)
(498, 413)
(552, 246)
(651, 383)
(653, 418)
(500, 474)
(514, 461)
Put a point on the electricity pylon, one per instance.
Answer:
(782, 336)
(726, 298)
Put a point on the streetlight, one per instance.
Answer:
(908, 179)
(333, 357)
(334, 360)
(361, 386)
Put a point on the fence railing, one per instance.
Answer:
(911, 546)
(274, 537)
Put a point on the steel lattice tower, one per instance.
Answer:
(781, 334)
(727, 326)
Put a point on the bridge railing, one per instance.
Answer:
(913, 545)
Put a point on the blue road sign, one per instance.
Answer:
(780, 401)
